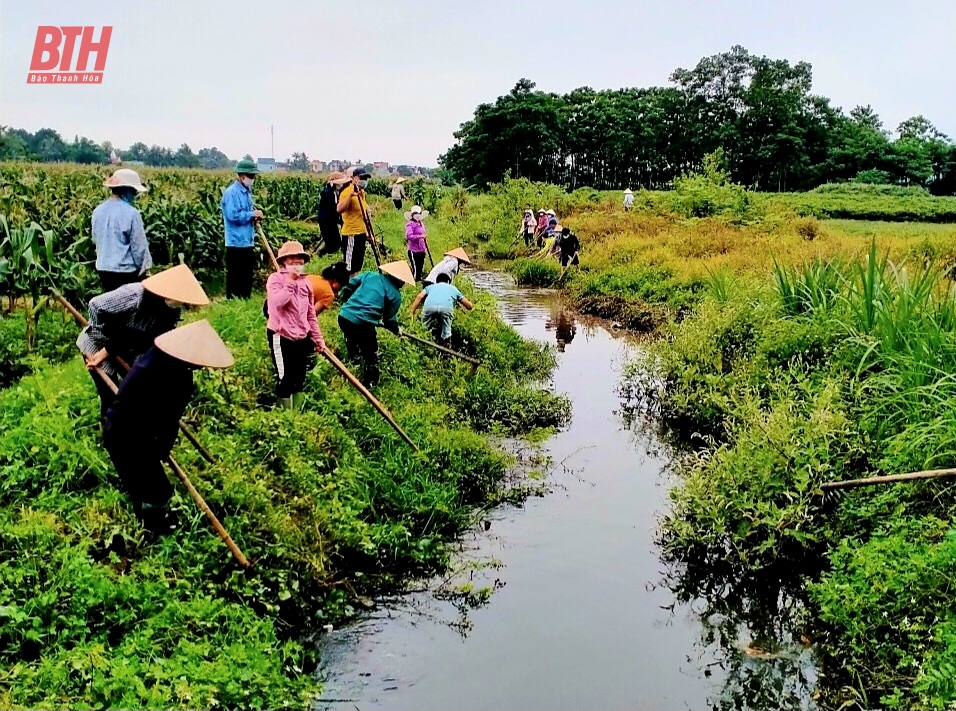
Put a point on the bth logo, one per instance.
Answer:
(53, 55)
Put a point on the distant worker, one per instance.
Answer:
(449, 265)
(143, 421)
(122, 254)
(528, 227)
(239, 218)
(628, 199)
(292, 330)
(329, 218)
(569, 245)
(439, 300)
(123, 322)
(370, 299)
(352, 203)
(416, 236)
(398, 193)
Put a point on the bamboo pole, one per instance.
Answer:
(438, 347)
(340, 366)
(196, 496)
(183, 427)
(873, 480)
(268, 247)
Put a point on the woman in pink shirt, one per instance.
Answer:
(415, 235)
(292, 330)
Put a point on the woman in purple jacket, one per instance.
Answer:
(415, 235)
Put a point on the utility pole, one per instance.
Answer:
(272, 130)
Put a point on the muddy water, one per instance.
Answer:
(579, 617)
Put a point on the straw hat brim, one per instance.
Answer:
(179, 284)
(399, 270)
(197, 344)
(110, 182)
(459, 254)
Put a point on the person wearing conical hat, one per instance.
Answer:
(238, 219)
(415, 236)
(330, 221)
(398, 193)
(450, 264)
(122, 253)
(293, 330)
(439, 301)
(124, 322)
(143, 420)
(628, 199)
(368, 299)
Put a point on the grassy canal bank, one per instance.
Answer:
(791, 352)
(332, 507)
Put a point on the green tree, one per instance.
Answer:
(299, 161)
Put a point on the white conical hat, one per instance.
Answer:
(196, 343)
(628, 192)
(178, 284)
(399, 270)
(459, 253)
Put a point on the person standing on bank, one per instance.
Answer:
(528, 226)
(239, 220)
(122, 253)
(398, 193)
(351, 202)
(143, 420)
(123, 322)
(329, 218)
(293, 331)
(368, 299)
(439, 300)
(415, 236)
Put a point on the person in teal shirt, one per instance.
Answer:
(372, 298)
(440, 299)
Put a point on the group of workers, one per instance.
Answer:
(142, 361)
(552, 239)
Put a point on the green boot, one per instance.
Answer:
(297, 400)
(285, 402)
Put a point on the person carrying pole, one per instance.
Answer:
(143, 419)
(415, 236)
(239, 218)
(449, 265)
(528, 227)
(541, 227)
(350, 207)
(368, 299)
(292, 330)
(569, 246)
(328, 216)
(122, 253)
(439, 300)
(123, 322)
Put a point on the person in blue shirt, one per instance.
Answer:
(239, 220)
(371, 298)
(440, 299)
(122, 254)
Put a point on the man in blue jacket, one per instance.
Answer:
(239, 219)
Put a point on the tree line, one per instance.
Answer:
(775, 133)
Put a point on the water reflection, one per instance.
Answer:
(562, 322)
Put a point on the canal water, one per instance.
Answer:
(582, 615)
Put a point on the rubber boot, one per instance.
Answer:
(285, 402)
(298, 400)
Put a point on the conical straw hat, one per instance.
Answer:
(177, 284)
(459, 253)
(399, 270)
(196, 343)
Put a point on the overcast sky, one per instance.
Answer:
(392, 81)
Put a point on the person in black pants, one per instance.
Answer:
(329, 219)
(239, 220)
(143, 422)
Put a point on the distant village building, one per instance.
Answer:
(266, 165)
(380, 168)
(133, 162)
(334, 165)
(316, 166)
(281, 167)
